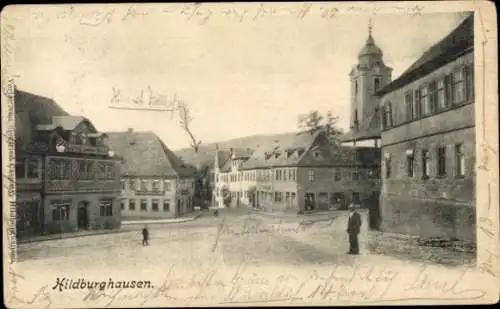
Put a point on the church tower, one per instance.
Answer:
(368, 76)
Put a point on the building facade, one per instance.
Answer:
(154, 182)
(428, 142)
(67, 177)
(221, 195)
(300, 172)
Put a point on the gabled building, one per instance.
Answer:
(220, 160)
(428, 142)
(67, 177)
(154, 181)
(300, 172)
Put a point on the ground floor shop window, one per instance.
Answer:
(338, 201)
(60, 211)
(27, 216)
(323, 200)
(106, 207)
(355, 198)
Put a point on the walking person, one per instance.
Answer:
(145, 236)
(353, 228)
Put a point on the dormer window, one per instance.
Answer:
(300, 152)
(84, 139)
(267, 155)
(317, 154)
(76, 138)
(276, 155)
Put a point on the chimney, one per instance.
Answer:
(216, 146)
(276, 144)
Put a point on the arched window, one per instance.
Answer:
(376, 83)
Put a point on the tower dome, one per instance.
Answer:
(370, 47)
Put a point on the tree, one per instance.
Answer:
(331, 127)
(313, 122)
(185, 120)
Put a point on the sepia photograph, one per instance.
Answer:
(238, 154)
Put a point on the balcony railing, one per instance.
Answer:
(149, 192)
(55, 185)
(88, 149)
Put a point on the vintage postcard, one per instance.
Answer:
(237, 154)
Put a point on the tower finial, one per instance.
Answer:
(370, 26)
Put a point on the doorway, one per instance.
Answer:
(179, 206)
(374, 211)
(309, 201)
(83, 215)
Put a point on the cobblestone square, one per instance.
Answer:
(199, 261)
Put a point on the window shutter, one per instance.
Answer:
(409, 110)
(434, 95)
(417, 103)
(390, 114)
(472, 80)
(466, 83)
(384, 126)
(449, 90)
(469, 81)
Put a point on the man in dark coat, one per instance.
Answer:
(145, 236)
(353, 228)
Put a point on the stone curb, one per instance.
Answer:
(160, 221)
(305, 215)
(71, 235)
(116, 231)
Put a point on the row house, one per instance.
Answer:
(428, 142)
(302, 172)
(67, 177)
(155, 183)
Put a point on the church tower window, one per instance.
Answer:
(376, 83)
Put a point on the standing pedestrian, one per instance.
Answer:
(145, 236)
(353, 228)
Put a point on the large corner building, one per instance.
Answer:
(423, 122)
(428, 142)
(67, 178)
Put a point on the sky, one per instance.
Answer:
(240, 73)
